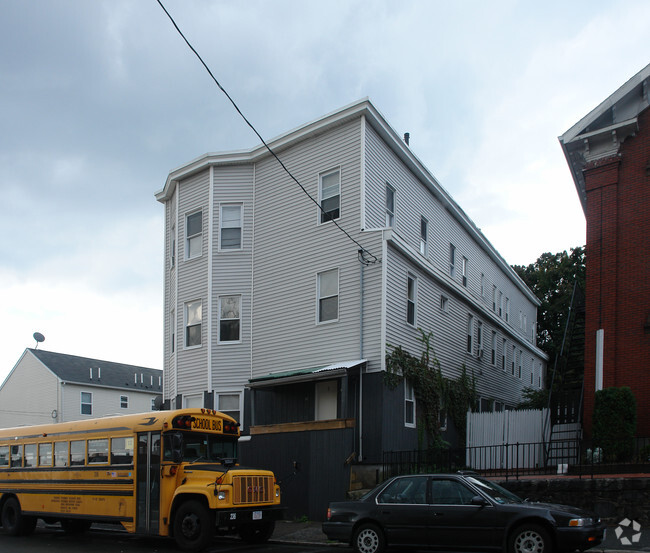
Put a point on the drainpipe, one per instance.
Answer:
(361, 287)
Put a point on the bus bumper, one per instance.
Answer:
(248, 515)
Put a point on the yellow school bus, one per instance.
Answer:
(166, 473)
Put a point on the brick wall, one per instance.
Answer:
(618, 271)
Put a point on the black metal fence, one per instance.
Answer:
(576, 457)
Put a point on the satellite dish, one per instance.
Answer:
(39, 338)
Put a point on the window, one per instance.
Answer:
(124, 402)
(121, 451)
(452, 260)
(514, 355)
(98, 451)
(494, 348)
(500, 303)
(390, 205)
(521, 354)
(330, 195)
(410, 490)
(16, 455)
(409, 405)
(470, 333)
(61, 454)
(30, 455)
(494, 298)
(423, 236)
(173, 247)
(153, 404)
(482, 285)
(45, 455)
(411, 292)
(444, 303)
(450, 492)
(4, 455)
(229, 404)
(193, 317)
(172, 326)
(230, 235)
(328, 296)
(525, 323)
(503, 356)
(194, 233)
(86, 403)
(229, 318)
(479, 338)
(507, 309)
(464, 271)
(77, 452)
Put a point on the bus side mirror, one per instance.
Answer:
(177, 447)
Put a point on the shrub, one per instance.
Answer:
(614, 423)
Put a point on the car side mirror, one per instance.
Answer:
(480, 501)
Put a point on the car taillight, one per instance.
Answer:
(329, 513)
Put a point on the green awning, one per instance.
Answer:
(301, 375)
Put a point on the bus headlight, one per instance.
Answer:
(221, 496)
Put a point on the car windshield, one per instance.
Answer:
(494, 491)
(207, 447)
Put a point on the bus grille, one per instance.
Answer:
(252, 489)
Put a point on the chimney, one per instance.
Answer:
(407, 137)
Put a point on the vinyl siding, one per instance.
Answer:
(291, 248)
(28, 395)
(191, 374)
(232, 275)
(105, 402)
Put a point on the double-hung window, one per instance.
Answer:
(452, 260)
(230, 405)
(124, 402)
(230, 227)
(86, 403)
(465, 262)
(330, 195)
(493, 360)
(328, 295)
(409, 404)
(423, 236)
(390, 205)
(194, 235)
(411, 296)
(230, 319)
(470, 333)
(193, 319)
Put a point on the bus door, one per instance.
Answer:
(148, 482)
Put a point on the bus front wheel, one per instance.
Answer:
(193, 526)
(259, 532)
(14, 522)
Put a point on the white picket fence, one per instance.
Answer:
(507, 439)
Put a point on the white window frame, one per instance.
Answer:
(187, 324)
(493, 358)
(503, 356)
(322, 215)
(479, 337)
(465, 268)
(192, 238)
(494, 298)
(124, 402)
(220, 339)
(444, 303)
(470, 334)
(222, 226)
(452, 260)
(320, 297)
(172, 247)
(411, 298)
(507, 309)
(409, 405)
(87, 403)
(219, 395)
(390, 206)
(424, 238)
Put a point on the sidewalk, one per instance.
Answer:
(310, 533)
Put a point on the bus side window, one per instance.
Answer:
(77, 452)
(4, 455)
(16, 455)
(45, 455)
(61, 454)
(98, 451)
(121, 451)
(30, 455)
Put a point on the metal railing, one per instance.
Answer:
(571, 456)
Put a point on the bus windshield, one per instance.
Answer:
(198, 446)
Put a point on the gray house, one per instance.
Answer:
(283, 295)
(46, 387)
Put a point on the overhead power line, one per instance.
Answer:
(362, 251)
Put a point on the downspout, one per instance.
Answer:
(361, 287)
(210, 285)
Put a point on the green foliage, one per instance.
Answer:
(551, 278)
(533, 398)
(433, 392)
(614, 422)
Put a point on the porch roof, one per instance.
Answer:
(302, 375)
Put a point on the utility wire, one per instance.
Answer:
(362, 250)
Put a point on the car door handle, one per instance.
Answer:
(437, 514)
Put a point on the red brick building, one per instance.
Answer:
(608, 152)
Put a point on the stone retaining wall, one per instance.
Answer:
(613, 499)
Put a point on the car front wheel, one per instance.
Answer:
(530, 538)
(369, 539)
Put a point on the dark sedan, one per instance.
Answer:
(458, 512)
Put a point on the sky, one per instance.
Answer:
(100, 100)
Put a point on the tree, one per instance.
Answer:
(433, 392)
(551, 278)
